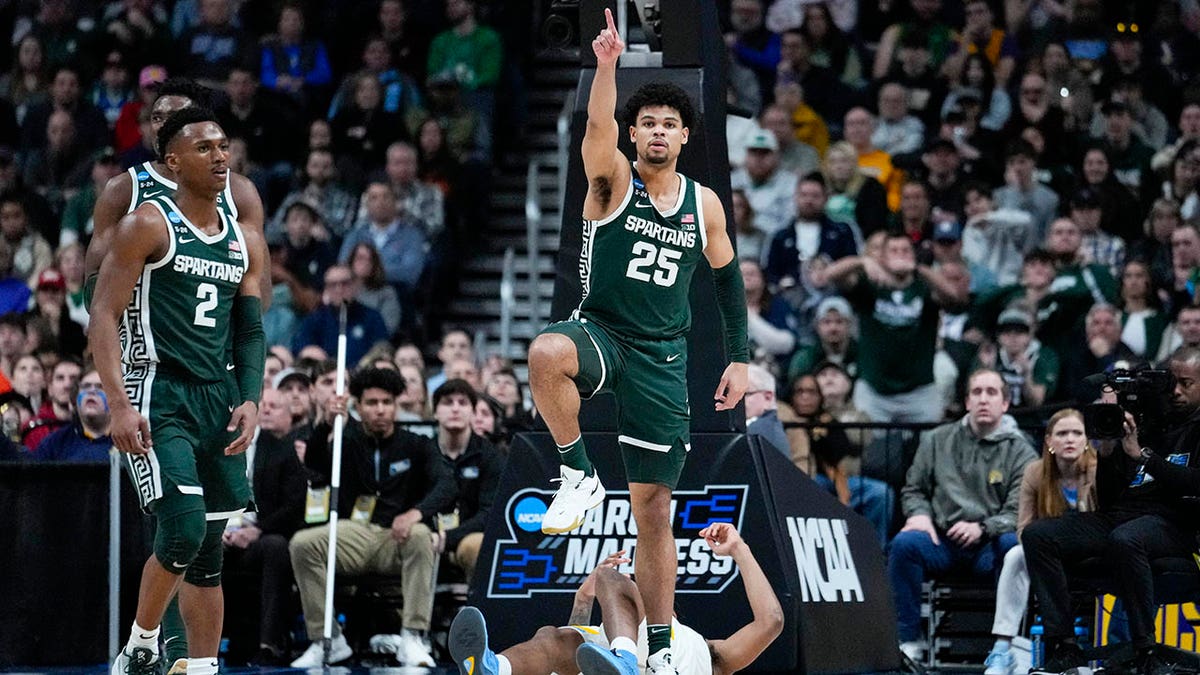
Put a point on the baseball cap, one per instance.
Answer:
(947, 230)
(282, 377)
(1085, 198)
(51, 279)
(834, 303)
(1014, 318)
(762, 139)
(152, 75)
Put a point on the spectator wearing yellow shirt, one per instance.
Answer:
(858, 127)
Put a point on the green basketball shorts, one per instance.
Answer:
(649, 380)
(187, 425)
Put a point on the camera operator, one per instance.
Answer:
(1143, 516)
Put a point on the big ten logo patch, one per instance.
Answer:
(824, 560)
(528, 561)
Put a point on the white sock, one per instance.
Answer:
(144, 638)
(1002, 645)
(204, 665)
(624, 644)
(504, 666)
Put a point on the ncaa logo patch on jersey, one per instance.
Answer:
(143, 175)
(174, 217)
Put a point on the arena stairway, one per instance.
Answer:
(477, 307)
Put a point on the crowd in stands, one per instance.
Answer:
(922, 190)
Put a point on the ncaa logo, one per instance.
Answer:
(528, 514)
(173, 217)
(143, 175)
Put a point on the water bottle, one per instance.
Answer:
(1037, 645)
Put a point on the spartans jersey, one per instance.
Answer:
(636, 264)
(149, 183)
(179, 316)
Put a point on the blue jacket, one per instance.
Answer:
(364, 327)
(403, 252)
(783, 258)
(69, 444)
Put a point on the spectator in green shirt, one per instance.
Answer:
(473, 54)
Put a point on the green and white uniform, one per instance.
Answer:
(175, 337)
(630, 329)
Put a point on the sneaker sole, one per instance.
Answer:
(468, 641)
(595, 660)
(179, 667)
(597, 500)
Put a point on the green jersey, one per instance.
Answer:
(636, 264)
(149, 183)
(897, 335)
(179, 315)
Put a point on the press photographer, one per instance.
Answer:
(1144, 514)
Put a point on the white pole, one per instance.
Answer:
(335, 481)
(114, 552)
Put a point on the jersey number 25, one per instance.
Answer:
(648, 255)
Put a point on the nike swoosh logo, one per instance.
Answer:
(231, 408)
(179, 566)
(209, 576)
(672, 357)
(187, 240)
(229, 366)
(147, 637)
(643, 205)
(168, 640)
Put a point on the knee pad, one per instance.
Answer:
(179, 539)
(205, 569)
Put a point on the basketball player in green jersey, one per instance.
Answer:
(124, 193)
(646, 227)
(182, 413)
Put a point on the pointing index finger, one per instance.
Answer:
(609, 17)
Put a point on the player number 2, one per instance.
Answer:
(207, 294)
(648, 255)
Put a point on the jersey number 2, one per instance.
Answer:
(649, 255)
(207, 294)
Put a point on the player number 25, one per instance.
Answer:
(207, 294)
(648, 255)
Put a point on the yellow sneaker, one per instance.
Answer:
(178, 668)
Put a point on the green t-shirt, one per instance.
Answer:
(897, 335)
(1045, 372)
(474, 59)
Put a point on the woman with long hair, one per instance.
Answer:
(1119, 208)
(505, 388)
(979, 80)
(1063, 480)
(1184, 179)
(374, 290)
(831, 48)
(1142, 318)
(1155, 247)
(29, 79)
(488, 422)
(855, 198)
(435, 164)
(830, 458)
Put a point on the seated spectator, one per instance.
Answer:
(127, 133)
(13, 335)
(836, 459)
(364, 326)
(477, 467)
(58, 169)
(1065, 77)
(941, 160)
(1030, 369)
(373, 289)
(295, 388)
(915, 217)
(28, 378)
(960, 502)
(85, 438)
(401, 94)
(978, 79)
(770, 189)
(837, 387)
(266, 127)
(1119, 208)
(1062, 481)
(292, 63)
(26, 84)
(995, 238)
(1185, 258)
(142, 151)
(762, 410)
(303, 257)
(855, 198)
(30, 252)
(809, 235)
(1155, 245)
(1183, 179)
(456, 346)
(926, 25)
(412, 405)
(435, 164)
(464, 369)
(324, 379)
(463, 130)
(213, 47)
(400, 242)
(258, 542)
(751, 241)
(111, 93)
(488, 423)
(58, 410)
(753, 45)
(1078, 283)
(1188, 129)
(1101, 351)
(807, 124)
(1097, 246)
(1130, 156)
(772, 322)
(947, 245)
(14, 290)
(337, 207)
(1185, 332)
(408, 354)
(1142, 320)
(396, 537)
(77, 214)
(828, 37)
(835, 341)
(416, 200)
(66, 95)
(913, 69)
(64, 335)
(859, 130)
(363, 130)
(504, 387)
(1022, 192)
(1149, 124)
(795, 156)
(896, 131)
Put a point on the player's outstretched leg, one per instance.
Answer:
(469, 644)
(553, 362)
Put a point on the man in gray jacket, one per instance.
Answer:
(960, 500)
